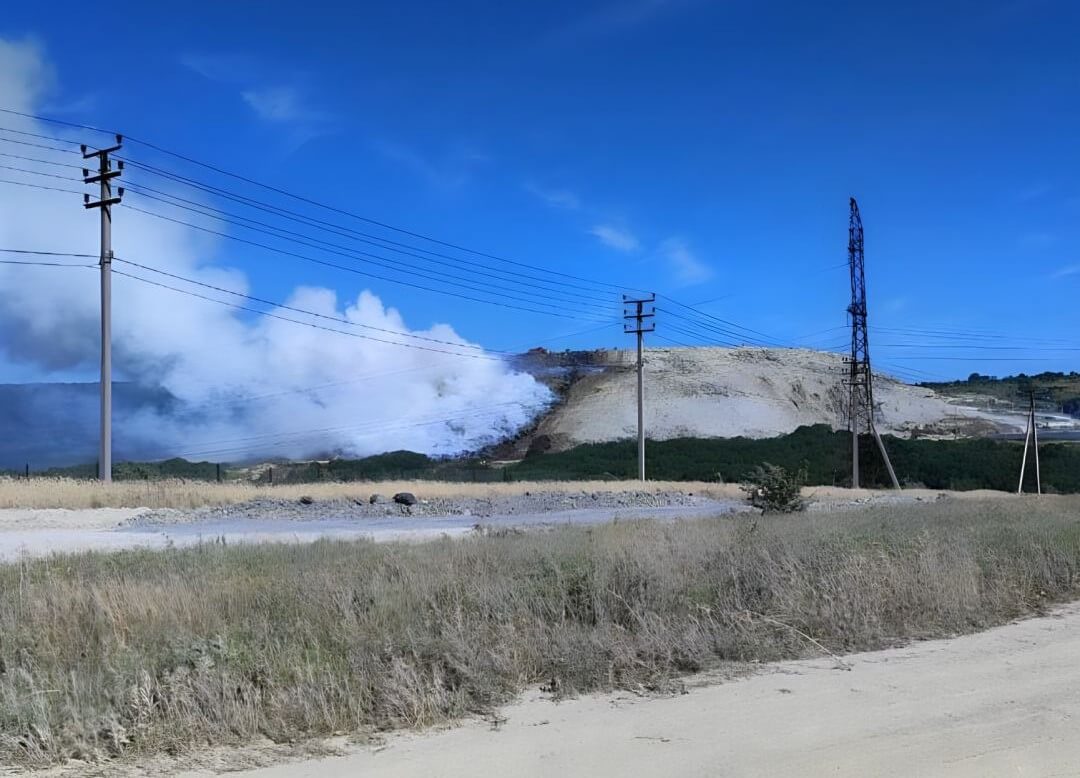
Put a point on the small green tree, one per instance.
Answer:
(775, 490)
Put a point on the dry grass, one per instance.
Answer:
(69, 493)
(73, 494)
(139, 652)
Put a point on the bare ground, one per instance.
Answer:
(751, 392)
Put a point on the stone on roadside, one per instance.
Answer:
(405, 498)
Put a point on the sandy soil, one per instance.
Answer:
(25, 519)
(999, 703)
(753, 392)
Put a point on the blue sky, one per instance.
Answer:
(705, 150)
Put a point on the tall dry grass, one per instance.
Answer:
(69, 493)
(138, 652)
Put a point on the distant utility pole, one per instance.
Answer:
(1031, 435)
(104, 176)
(635, 313)
(860, 376)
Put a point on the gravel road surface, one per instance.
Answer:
(36, 533)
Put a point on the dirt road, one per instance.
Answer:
(1000, 703)
(39, 533)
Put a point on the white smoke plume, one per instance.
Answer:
(244, 385)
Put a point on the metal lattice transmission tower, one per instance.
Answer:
(860, 376)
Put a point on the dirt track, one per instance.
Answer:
(1002, 702)
(37, 532)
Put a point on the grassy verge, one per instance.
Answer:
(132, 653)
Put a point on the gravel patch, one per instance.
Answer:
(886, 500)
(530, 503)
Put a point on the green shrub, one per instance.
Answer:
(774, 490)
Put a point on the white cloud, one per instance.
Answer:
(688, 269)
(223, 68)
(243, 385)
(1066, 271)
(279, 104)
(616, 237)
(271, 93)
(36, 77)
(556, 198)
(449, 171)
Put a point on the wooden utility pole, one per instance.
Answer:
(104, 176)
(1031, 435)
(635, 309)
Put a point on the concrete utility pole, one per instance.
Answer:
(104, 176)
(1031, 435)
(635, 309)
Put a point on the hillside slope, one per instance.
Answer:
(752, 392)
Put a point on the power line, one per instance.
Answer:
(42, 161)
(353, 269)
(706, 327)
(674, 342)
(978, 347)
(331, 227)
(249, 399)
(35, 145)
(40, 136)
(975, 358)
(307, 200)
(769, 340)
(40, 264)
(360, 256)
(49, 253)
(973, 337)
(60, 122)
(39, 186)
(707, 339)
(299, 310)
(302, 323)
(365, 219)
(38, 173)
(360, 237)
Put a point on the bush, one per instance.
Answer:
(775, 490)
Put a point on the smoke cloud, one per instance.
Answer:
(241, 385)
